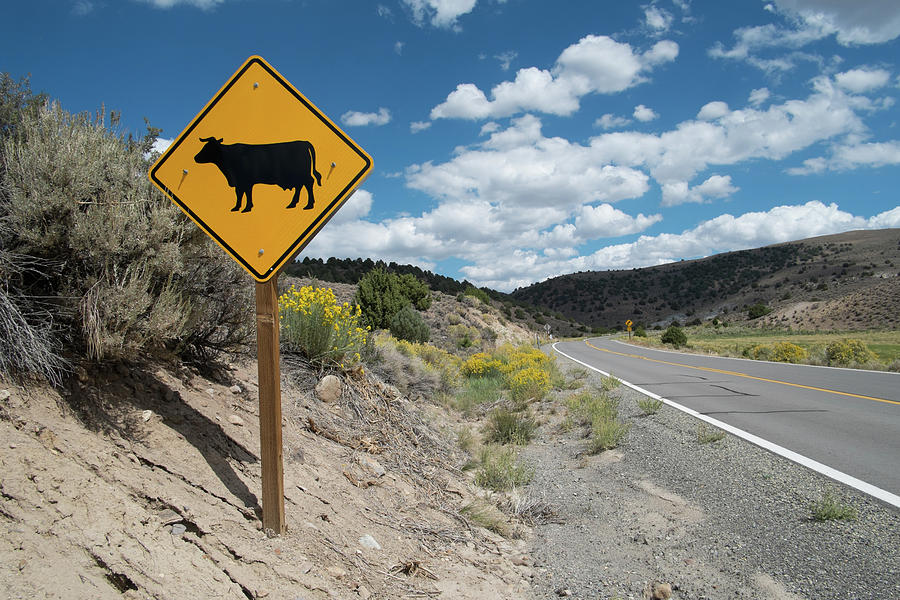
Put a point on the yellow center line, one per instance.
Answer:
(737, 374)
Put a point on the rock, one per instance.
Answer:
(363, 592)
(178, 529)
(367, 541)
(236, 420)
(4, 395)
(371, 465)
(661, 591)
(336, 572)
(145, 416)
(563, 592)
(168, 516)
(522, 560)
(328, 389)
(235, 389)
(211, 392)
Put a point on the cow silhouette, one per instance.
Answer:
(289, 165)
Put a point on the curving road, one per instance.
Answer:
(845, 419)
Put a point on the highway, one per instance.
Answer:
(845, 419)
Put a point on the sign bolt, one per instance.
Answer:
(185, 171)
(255, 84)
(261, 251)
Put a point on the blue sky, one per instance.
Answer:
(516, 140)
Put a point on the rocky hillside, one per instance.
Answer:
(145, 483)
(844, 281)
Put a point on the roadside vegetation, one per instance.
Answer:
(876, 350)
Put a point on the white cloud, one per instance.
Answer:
(610, 121)
(852, 156)
(853, 22)
(679, 192)
(712, 111)
(355, 208)
(417, 126)
(161, 144)
(398, 47)
(657, 19)
(506, 59)
(679, 154)
(353, 118)
(595, 64)
(862, 80)
(440, 13)
(721, 234)
(644, 114)
(758, 96)
(605, 221)
(82, 7)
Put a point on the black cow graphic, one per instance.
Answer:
(289, 165)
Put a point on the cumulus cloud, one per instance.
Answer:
(605, 221)
(506, 59)
(595, 64)
(440, 13)
(355, 208)
(721, 234)
(712, 111)
(417, 126)
(353, 118)
(644, 114)
(611, 121)
(852, 156)
(679, 192)
(862, 80)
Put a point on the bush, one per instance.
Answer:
(829, 508)
(464, 336)
(788, 352)
(476, 391)
(649, 406)
(639, 331)
(84, 232)
(379, 297)
(758, 310)
(675, 336)
(314, 325)
(500, 469)
(480, 365)
(606, 434)
(409, 325)
(416, 291)
(509, 427)
(529, 383)
(849, 352)
(473, 291)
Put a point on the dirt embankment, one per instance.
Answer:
(145, 484)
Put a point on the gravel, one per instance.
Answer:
(718, 520)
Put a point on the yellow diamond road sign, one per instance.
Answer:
(261, 169)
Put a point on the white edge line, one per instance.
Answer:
(866, 488)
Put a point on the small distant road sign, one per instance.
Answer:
(261, 169)
(628, 323)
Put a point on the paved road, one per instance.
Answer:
(848, 420)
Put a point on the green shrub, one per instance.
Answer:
(500, 469)
(758, 310)
(415, 290)
(758, 352)
(475, 292)
(849, 352)
(606, 434)
(380, 297)
(706, 435)
(85, 232)
(586, 406)
(464, 336)
(649, 406)
(478, 390)
(829, 508)
(675, 336)
(315, 325)
(409, 325)
(530, 383)
(509, 427)
(639, 331)
(481, 364)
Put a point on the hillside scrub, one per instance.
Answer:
(381, 295)
(95, 263)
(674, 336)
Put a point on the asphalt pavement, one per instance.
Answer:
(848, 420)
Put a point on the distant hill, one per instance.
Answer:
(843, 281)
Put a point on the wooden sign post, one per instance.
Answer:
(269, 368)
(261, 146)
